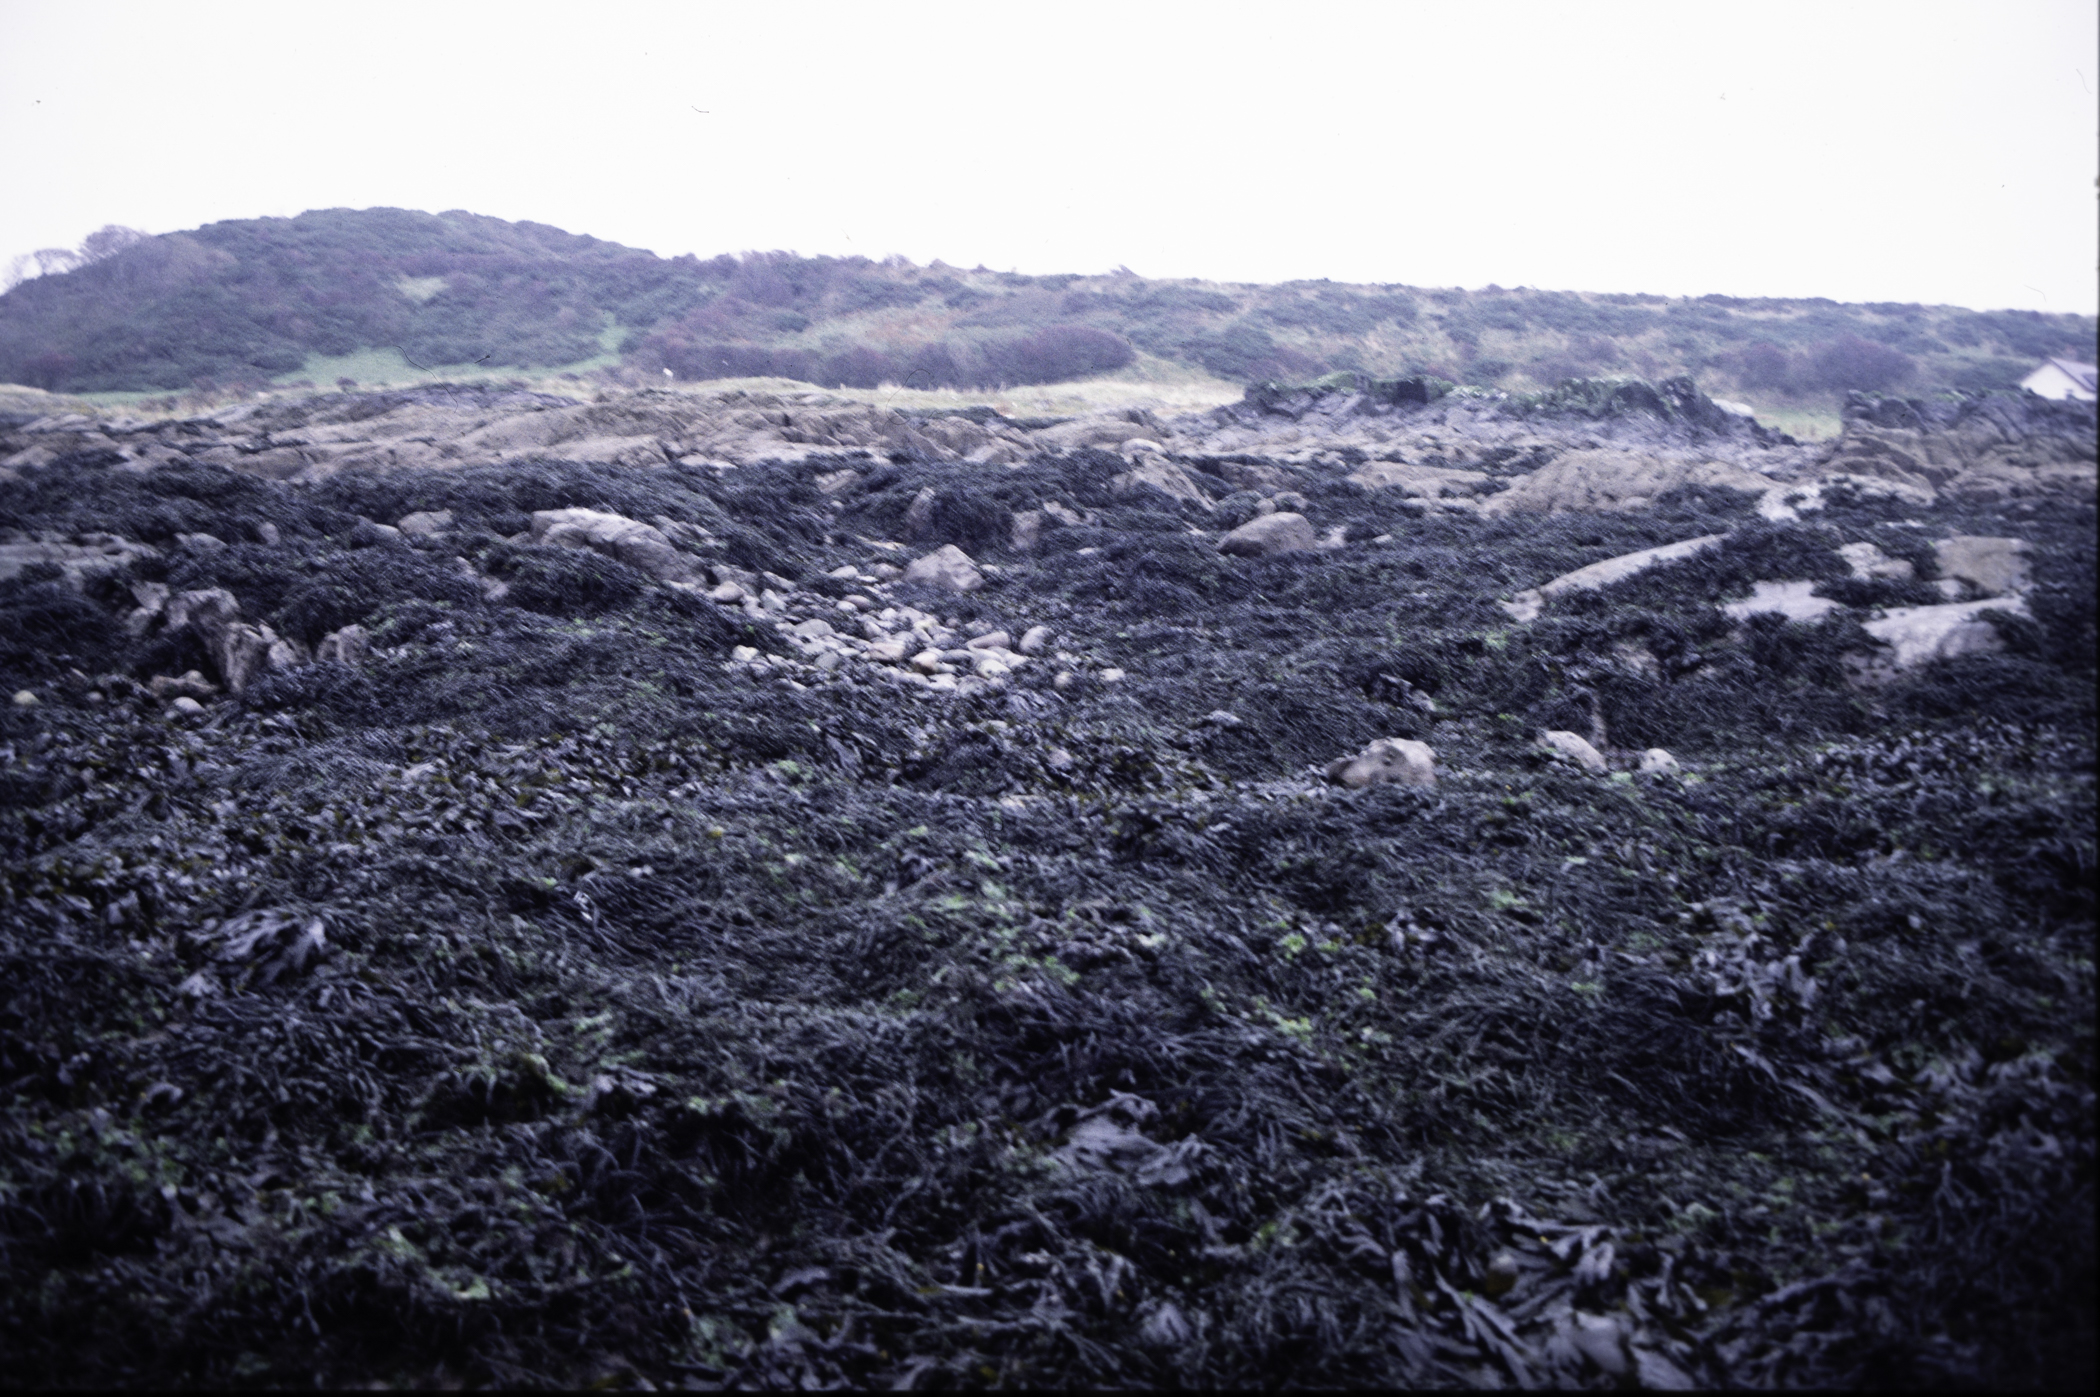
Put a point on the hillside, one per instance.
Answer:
(343, 293)
(1345, 889)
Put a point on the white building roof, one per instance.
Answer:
(2064, 378)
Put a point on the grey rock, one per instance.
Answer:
(425, 523)
(1573, 747)
(641, 546)
(918, 515)
(1035, 640)
(1388, 761)
(946, 569)
(1270, 534)
(348, 646)
(1658, 762)
(1918, 635)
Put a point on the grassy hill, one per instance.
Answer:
(387, 294)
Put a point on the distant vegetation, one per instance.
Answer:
(256, 300)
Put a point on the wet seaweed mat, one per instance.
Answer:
(554, 997)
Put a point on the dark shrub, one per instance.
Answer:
(1763, 365)
(45, 626)
(353, 586)
(341, 690)
(1851, 362)
(1057, 353)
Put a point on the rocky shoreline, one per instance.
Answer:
(1365, 886)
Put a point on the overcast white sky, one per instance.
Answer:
(1929, 150)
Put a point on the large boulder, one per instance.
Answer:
(1396, 761)
(945, 569)
(1269, 534)
(1996, 567)
(640, 546)
(1918, 635)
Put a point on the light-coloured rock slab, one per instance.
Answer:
(1918, 635)
(1996, 567)
(1794, 600)
(1584, 481)
(1868, 562)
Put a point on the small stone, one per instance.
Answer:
(1035, 640)
(267, 533)
(811, 628)
(1658, 762)
(848, 573)
(885, 572)
(1064, 681)
(927, 662)
(186, 705)
(992, 640)
(24, 699)
(728, 593)
(1111, 676)
(1219, 718)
